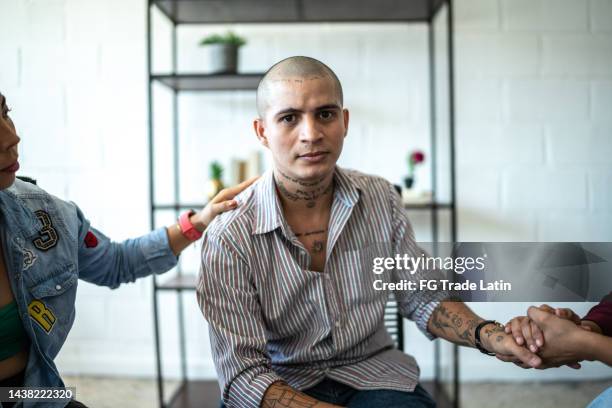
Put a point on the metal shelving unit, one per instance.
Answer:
(180, 12)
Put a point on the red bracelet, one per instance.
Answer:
(189, 231)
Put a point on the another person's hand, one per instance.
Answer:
(563, 335)
(527, 333)
(222, 202)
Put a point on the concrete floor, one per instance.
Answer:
(119, 392)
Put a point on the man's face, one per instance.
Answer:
(8, 147)
(304, 126)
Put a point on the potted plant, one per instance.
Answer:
(414, 158)
(215, 184)
(222, 52)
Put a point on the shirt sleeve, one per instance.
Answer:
(602, 315)
(417, 305)
(108, 263)
(229, 302)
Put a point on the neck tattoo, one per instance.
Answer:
(300, 182)
(309, 196)
(305, 234)
(318, 246)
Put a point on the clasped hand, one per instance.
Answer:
(550, 333)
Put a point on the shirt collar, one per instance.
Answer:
(269, 212)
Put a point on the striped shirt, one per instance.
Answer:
(272, 319)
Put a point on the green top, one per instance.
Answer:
(13, 337)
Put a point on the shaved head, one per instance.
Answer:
(294, 68)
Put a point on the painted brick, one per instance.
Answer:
(544, 189)
(11, 64)
(600, 190)
(575, 226)
(476, 14)
(481, 100)
(544, 15)
(601, 15)
(577, 55)
(498, 146)
(601, 101)
(497, 54)
(575, 144)
(495, 225)
(547, 100)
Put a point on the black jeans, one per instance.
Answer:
(333, 392)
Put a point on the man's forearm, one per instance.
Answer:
(281, 395)
(456, 322)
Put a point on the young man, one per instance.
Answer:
(286, 280)
(46, 246)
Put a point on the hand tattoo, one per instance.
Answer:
(283, 396)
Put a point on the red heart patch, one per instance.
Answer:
(90, 240)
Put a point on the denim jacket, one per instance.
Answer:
(48, 245)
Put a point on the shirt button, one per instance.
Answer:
(17, 276)
(58, 287)
(338, 324)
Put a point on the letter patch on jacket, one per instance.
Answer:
(48, 237)
(41, 315)
(29, 257)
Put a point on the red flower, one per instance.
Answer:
(418, 157)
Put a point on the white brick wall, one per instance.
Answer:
(534, 136)
(539, 170)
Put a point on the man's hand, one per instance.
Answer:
(281, 395)
(455, 322)
(222, 202)
(496, 340)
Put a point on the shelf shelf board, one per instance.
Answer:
(182, 282)
(178, 206)
(427, 206)
(297, 11)
(200, 394)
(209, 82)
(408, 206)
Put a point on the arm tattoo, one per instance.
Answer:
(454, 325)
(280, 395)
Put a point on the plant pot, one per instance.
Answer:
(408, 182)
(221, 58)
(214, 186)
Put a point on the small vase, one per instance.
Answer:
(408, 182)
(214, 186)
(222, 58)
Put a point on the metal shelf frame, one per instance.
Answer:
(183, 12)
